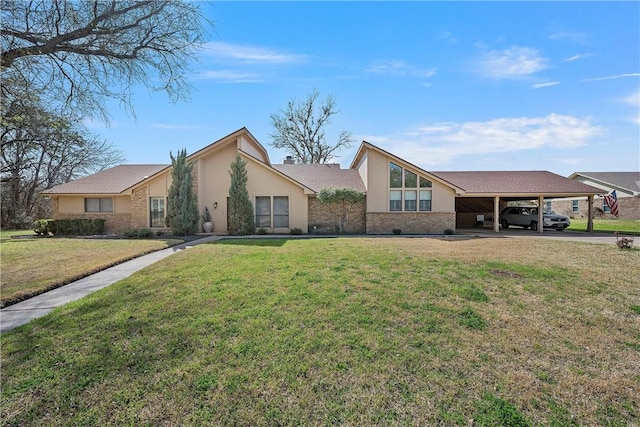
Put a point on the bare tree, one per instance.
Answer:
(38, 150)
(84, 52)
(300, 130)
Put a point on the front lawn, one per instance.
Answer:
(353, 331)
(31, 266)
(629, 226)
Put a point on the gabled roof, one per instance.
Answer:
(249, 157)
(231, 137)
(629, 181)
(320, 176)
(516, 183)
(115, 180)
(366, 145)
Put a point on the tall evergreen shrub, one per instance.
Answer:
(241, 221)
(182, 205)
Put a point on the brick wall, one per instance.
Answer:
(114, 223)
(410, 223)
(628, 208)
(321, 221)
(139, 208)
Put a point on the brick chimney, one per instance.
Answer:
(289, 161)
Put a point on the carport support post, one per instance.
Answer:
(590, 214)
(496, 214)
(540, 214)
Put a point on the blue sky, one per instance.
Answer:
(447, 86)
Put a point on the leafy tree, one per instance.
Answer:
(340, 202)
(41, 149)
(300, 130)
(241, 221)
(182, 205)
(84, 52)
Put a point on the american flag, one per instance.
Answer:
(612, 201)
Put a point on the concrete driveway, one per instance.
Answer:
(576, 236)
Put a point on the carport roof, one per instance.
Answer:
(516, 183)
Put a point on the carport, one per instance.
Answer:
(487, 193)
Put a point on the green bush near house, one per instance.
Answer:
(141, 233)
(73, 226)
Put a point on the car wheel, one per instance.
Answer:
(534, 226)
(504, 224)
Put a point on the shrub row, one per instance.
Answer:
(142, 233)
(69, 227)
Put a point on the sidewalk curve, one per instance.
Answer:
(18, 314)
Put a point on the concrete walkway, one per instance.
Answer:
(18, 314)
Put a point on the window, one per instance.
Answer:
(156, 211)
(280, 211)
(263, 212)
(395, 200)
(605, 207)
(403, 193)
(575, 206)
(395, 176)
(547, 205)
(425, 183)
(410, 200)
(98, 205)
(425, 200)
(410, 179)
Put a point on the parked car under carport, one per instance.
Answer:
(527, 217)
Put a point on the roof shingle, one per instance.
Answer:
(317, 177)
(114, 180)
(515, 182)
(627, 180)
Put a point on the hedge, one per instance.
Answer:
(70, 227)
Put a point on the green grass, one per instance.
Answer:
(353, 331)
(629, 226)
(32, 266)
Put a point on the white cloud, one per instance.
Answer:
(633, 99)
(229, 76)
(573, 36)
(619, 76)
(448, 37)
(441, 143)
(389, 67)
(253, 54)
(513, 63)
(579, 56)
(544, 84)
(400, 68)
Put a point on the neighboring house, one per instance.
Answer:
(626, 184)
(399, 195)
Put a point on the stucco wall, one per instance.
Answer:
(262, 181)
(410, 222)
(376, 172)
(321, 220)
